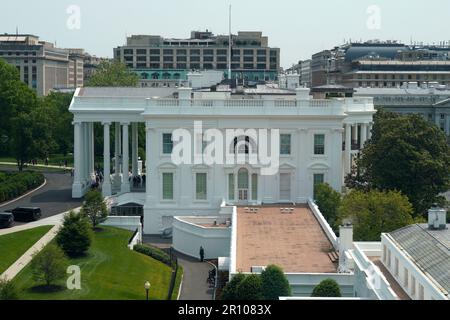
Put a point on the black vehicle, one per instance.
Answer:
(26, 213)
(6, 219)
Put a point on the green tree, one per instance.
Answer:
(250, 288)
(328, 200)
(49, 265)
(113, 74)
(274, 283)
(94, 207)
(327, 288)
(406, 153)
(230, 290)
(8, 290)
(75, 236)
(375, 212)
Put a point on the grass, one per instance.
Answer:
(110, 271)
(14, 245)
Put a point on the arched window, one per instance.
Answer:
(144, 75)
(176, 76)
(243, 145)
(155, 75)
(166, 75)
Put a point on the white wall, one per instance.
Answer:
(188, 236)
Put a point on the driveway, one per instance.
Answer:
(55, 197)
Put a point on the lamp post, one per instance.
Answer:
(147, 288)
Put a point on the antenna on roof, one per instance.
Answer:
(17, 30)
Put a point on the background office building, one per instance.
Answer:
(42, 66)
(155, 57)
(381, 64)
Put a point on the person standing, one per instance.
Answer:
(202, 254)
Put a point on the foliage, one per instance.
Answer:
(14, 184)
(75, 235)
(155, 253)
(94, 207)
(230, 290)
(274, 283)
(8, 290)
(250, 288)
(327, 288)
(408, 154)
(375, 212)
(328, 200)
(113, 74)
(49, 265)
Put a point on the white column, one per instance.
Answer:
(106, 187)
(348, 148)
(125, 160)
(92, 153)
(85, 151)
(134, 148)
(363, 134)
(77, 187)
(116, 156)
(355, 133)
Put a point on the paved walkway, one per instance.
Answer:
(17, 266)
(195, 273)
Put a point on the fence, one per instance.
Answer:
(173, 278)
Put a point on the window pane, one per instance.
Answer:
(231, 186)
(167, 143)
(243, 179)
(319, 144)
(285, 144)
(167, 186)
(200, 186)
(254, 186)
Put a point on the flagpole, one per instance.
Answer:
(229, 43)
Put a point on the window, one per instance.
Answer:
(155, 51)
(396, 267)
(318, 178)
(167, 186)
(319, 144)
(421, 293)
(231, 186)
(254, 186)
(167, 143)
(285, 144)
(405, 277)
(200, 186)
(413, 286)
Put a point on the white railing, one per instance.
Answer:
(324, 224)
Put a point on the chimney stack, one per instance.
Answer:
(437, 218)
(345, 243)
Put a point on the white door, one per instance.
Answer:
(285, 186)
(243, 185)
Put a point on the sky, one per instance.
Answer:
(299, 27)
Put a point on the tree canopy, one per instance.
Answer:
(374, 212)
(327, 288)
(113, 74)
(408, 154)
(274, 283)
(328, 200)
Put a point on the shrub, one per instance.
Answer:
(327, 288)
(250, 288)
(14, 184)
(230, 290)
(8, 290)
(75, 236)
(49, 265)
(155, 253)
(274, 283)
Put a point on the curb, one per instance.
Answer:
(24, 195)
(181, 286)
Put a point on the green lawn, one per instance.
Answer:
(14, 245)
(110, 271)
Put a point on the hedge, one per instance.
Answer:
(14, 184)
(155, 253)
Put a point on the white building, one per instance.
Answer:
(316, 138)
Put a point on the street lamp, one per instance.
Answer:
(147, 288)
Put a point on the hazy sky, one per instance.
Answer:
(299, 28)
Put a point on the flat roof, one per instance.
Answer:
(294, 241)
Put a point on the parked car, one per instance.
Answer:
(6, 219)
(26, 213)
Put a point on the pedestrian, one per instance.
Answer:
(65, 163)
(202, 254)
